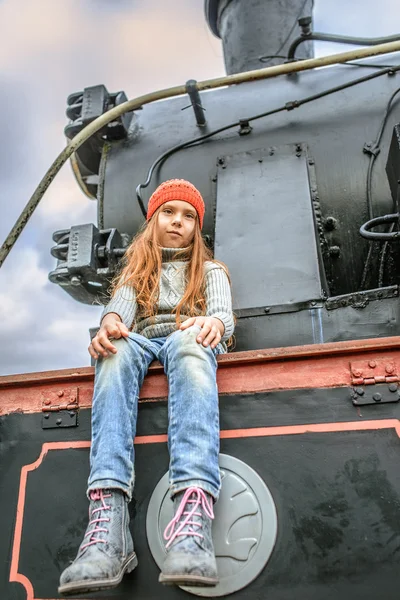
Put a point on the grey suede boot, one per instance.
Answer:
(190, 559)
(106, 551)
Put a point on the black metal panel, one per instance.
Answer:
(337, 495)
(279, 264)
(379, 318)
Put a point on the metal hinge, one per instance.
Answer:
(60, 409)
(374, 381)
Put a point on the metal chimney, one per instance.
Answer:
(254, 32)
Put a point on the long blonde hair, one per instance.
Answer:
(142, 270)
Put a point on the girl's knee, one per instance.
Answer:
(127, 351)
(184, 344)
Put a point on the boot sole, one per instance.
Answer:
(188, 580)
(98, 585)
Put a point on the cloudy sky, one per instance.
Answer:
(51, 48)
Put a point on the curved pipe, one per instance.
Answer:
(340, 39)
(78, 176)
(179, 90)
(374, 235)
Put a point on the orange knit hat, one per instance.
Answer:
(176, 189)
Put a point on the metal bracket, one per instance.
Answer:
(195, 99)
(375, 381)
(60, 409)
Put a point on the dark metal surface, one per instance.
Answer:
(252, 29)
(279, 263)
(87, 260)
(361, 299)
(334, 128)
(61, 419)
(375, 394)
(337, 496)
(378, 318)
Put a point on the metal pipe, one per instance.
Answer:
(117, 111)
(193, 93)
(340, 39)
(76, 171)
(365, 230)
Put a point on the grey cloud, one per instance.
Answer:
(125, 44)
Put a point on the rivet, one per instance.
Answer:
(389, 368)
(59, 421)
(372, 364)
(357, 372)
(393, 387)
(71, 414)
(334, 251)
(267, 309)
(377, 397)
(60, 393)
(360, 391)
(47, 402)
(46, 415)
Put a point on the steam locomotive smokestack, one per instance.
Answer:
(253, 32)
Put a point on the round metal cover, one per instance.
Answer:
(244, 529)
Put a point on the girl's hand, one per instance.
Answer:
(111, 327)
(212, 330)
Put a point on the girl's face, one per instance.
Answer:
(176, 224)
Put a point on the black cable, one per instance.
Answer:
(287, 37)
(288, 106)
(374, 150)
(192, 142)
(265, 58)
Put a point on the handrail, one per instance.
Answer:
(179, 90)
(339, 39)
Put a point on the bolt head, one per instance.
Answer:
(393, 387)
(334, 251)
(377, 397)
(357, 372)
(60, 393)
(360, 391)
(372, 364)
(389, 368)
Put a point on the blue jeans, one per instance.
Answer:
(193, 413)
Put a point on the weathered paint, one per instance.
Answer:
(296, 367)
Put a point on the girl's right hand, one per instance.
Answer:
(111, 328)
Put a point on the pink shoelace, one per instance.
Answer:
(200, 499)
(97, 495)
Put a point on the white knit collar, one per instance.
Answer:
(169, 253)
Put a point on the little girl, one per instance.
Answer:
(172, 303)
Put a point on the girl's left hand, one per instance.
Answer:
(212, 330)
